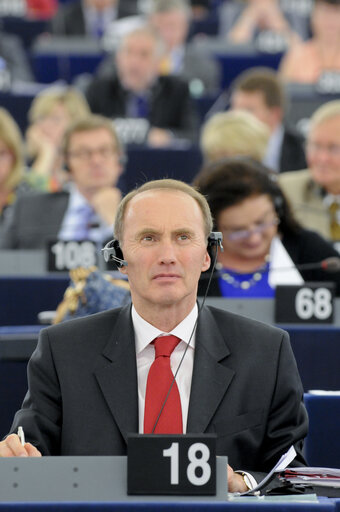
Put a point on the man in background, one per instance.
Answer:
(314, 193)
(260, 91)
(137, 91)
(87, 209)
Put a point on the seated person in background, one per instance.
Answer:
(261, 239)
(86, 211)
(137, 91)
(171, 19)
(243, 21)
(50, 113)
(12, 179)
(260, 91)
(234, 133)
(90, 17)
(314, 193)
(307, 61)
(89, 379)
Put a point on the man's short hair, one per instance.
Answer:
(264, 80)
(89, 123)
(147, 30)
(327, 111)
(163, 184)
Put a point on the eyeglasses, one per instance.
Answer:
(86, 154)
(331, 149)
(238, 235)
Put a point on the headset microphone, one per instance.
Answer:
(113, 252)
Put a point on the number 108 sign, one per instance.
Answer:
(172, 464)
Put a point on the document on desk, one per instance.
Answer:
(324, 477)
(280, 466)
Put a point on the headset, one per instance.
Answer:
(113, 252)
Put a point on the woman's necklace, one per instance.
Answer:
(245, 284)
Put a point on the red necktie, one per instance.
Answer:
(158, 384)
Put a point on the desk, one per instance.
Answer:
(322, 506)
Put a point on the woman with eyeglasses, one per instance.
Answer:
(263, 244)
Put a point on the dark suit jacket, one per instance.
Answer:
(292, 157)
(171, 107)
(303, 247)
(35, 218)
(70, 20)
(83, 397)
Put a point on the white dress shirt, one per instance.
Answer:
(145, 333)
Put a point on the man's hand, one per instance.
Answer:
(12, 447)
(235, 481)
(105, 202)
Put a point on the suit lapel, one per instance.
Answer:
(117, 374)
(210, 379)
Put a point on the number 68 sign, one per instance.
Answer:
(172, 464)
(309, 303)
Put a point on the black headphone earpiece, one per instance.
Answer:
(113, 252)
(214, 242)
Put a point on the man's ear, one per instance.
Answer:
(206, 262)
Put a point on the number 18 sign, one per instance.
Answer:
(172, 464)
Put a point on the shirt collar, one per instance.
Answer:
(145, 333)
(272, 156)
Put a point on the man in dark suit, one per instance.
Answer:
(89, 377)
(260, 91)
(136, 91)
(90, 17)
(86, 210)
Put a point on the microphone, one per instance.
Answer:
(331, 264)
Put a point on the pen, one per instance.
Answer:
(21, 435)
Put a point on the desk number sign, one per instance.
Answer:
(172, 464)
(307, 303)
(63, 256)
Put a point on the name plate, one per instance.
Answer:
(63, 256)
(307, 303)
(172, 464)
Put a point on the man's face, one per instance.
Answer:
(137, 62)
(323, 154)
(254, 102)
(93, 160)
(172, 26)
(164, 245)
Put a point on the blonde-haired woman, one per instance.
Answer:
(234, 133)
(49, 116)
(12, 182)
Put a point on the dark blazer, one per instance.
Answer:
(70, 19)
(292, 157)
(171, 107)
(303, 247)
(83, 397)
(35, 218)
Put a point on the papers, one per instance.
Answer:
(280, 466)
(322, 392)
(325, 477)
